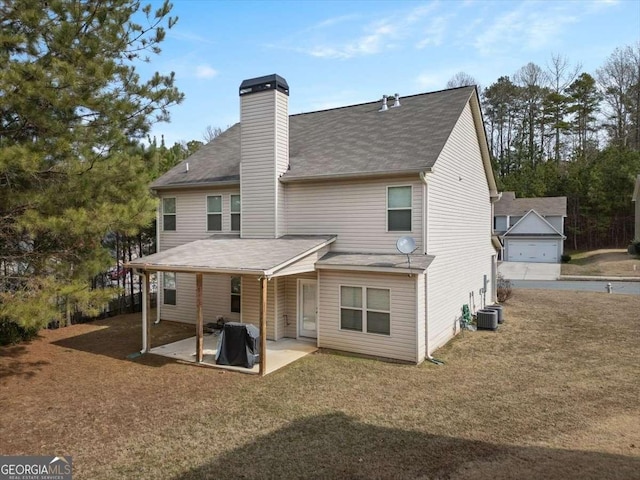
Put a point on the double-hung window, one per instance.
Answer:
(235, 213)
(169, 214)
(399, 209)
(214, 213)
(169, 288)
(236, 289)
(365, 309)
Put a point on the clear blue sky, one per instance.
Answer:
(336, 53)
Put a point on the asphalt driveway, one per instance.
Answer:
(529, 271)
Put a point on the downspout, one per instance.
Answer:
(425, 228)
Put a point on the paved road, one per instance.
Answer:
(629, 288)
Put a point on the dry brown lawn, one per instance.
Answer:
(552, 394)
(613, 262)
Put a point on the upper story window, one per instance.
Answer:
(513, 221)
(399, 209)
(365, 309)
(235, 213)
(236, 286)
(169, 288)
(214, 213)
(169, 214)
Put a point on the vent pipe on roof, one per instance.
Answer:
(186, 167)
(384, 104)
(396, 104)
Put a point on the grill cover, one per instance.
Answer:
(239, 345)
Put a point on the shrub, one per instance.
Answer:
(634, 248)
(11, 332)
(565, 258)
(504, 291)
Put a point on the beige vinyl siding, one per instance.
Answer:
(281, 307)
(354, 210)
(191, 215)
(282, 159)
(251, 303)
(421, 331)
(216, 299)
(291, 302)
(459, 232)
(264, 151)
(400, 344)
(306, 264)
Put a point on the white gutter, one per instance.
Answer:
(287, 178)
(425, 214)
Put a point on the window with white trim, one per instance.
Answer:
(169, 214)
(235, 213)
(169, 288)
(236, 290)
(365, 309)
(399, 209)
(214, 213)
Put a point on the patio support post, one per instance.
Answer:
(263, 325)
(146, 294)
(199, 320)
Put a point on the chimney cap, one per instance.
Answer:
(267, 82)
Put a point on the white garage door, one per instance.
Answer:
(538, 251)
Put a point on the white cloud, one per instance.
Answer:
(434, 32)
(534, 26)
(377, 36)
(205, 71)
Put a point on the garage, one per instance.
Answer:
(537, 251)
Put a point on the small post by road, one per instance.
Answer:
(609, 288)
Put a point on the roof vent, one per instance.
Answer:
(186, 167)
(396, 104)
(384, 107)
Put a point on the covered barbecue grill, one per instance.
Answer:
(239, 345)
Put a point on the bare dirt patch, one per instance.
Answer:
(616, 263)
(552, 394)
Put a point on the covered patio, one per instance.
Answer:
(262, 258)
(280, 353)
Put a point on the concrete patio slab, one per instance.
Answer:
(279, 354)
(529, 271)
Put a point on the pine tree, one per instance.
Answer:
(72, 109)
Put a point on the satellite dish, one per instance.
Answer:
(406, 245)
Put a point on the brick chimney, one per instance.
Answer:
(264, 155)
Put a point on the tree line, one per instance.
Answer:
(555, 130)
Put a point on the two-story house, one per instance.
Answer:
(293, 220)
(531, 229)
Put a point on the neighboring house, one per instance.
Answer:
(636, 199)
(301, 214)
(531, 229)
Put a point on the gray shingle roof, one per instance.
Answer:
(233, 254)
(419, 263)
(354, 140)
(545, 206)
